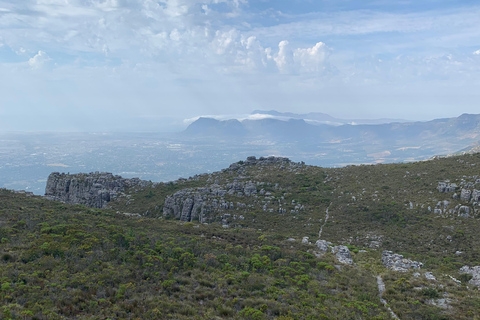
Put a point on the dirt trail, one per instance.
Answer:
(326, 219)
(381, 289)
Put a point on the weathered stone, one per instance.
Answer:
(342, 254)
(446, 187)
(465, 195)
(94, 190)
(396, 262)
(475, 272)
(441, 186)
(430, 276)
(464, 212)
(476, 195)
(443, 303)
(322, 245)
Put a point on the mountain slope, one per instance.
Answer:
(347, 144)
(70, 262)
(264, 238)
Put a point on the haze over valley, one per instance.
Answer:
(207, 145)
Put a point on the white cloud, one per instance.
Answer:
(239, 117)
(206, 53)
(284, 57)
(311, 59)
(39, 60)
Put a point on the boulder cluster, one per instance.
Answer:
(397, 262)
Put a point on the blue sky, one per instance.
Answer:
(133, 65)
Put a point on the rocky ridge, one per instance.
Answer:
(95, 189)
(226, 201)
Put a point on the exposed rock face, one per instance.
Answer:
(475, 272)
(396, 262)
(342, 254)
(252, 161)
(465, 195)
(94, 190)
(468, 195)
(322, 245)
(210, 203)
(195, 204)
(446, 187)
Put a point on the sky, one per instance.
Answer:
(144, 65)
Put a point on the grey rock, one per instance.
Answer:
(465, 195)
(443, 303)
(189, 205)
(464, 212)
(445, 187)
(396, 262)
(95, 189)
(441, 186)
(475, 272)
(430, 276)
(476, 195)
(342, 254)
(322, 245)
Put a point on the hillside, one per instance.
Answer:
(265, 238)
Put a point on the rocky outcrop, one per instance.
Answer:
(396, 262)
(342, 254)
(475, 272)
(95, 189)
(262, 161)
(215, 201)
(445, 187)
(322, 245)
(197, 203)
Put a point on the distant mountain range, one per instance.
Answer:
(323, 118)
(361, 143)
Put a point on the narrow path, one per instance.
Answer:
(381, 289)
(325, 222)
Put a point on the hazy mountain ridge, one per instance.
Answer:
(281, 129)
(388, 142)
(26, 159)
(325, 118)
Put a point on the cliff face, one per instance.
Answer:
(230, 200)
(94, 190)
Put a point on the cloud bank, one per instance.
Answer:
(81, 60)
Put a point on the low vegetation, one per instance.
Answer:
(59, 261)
